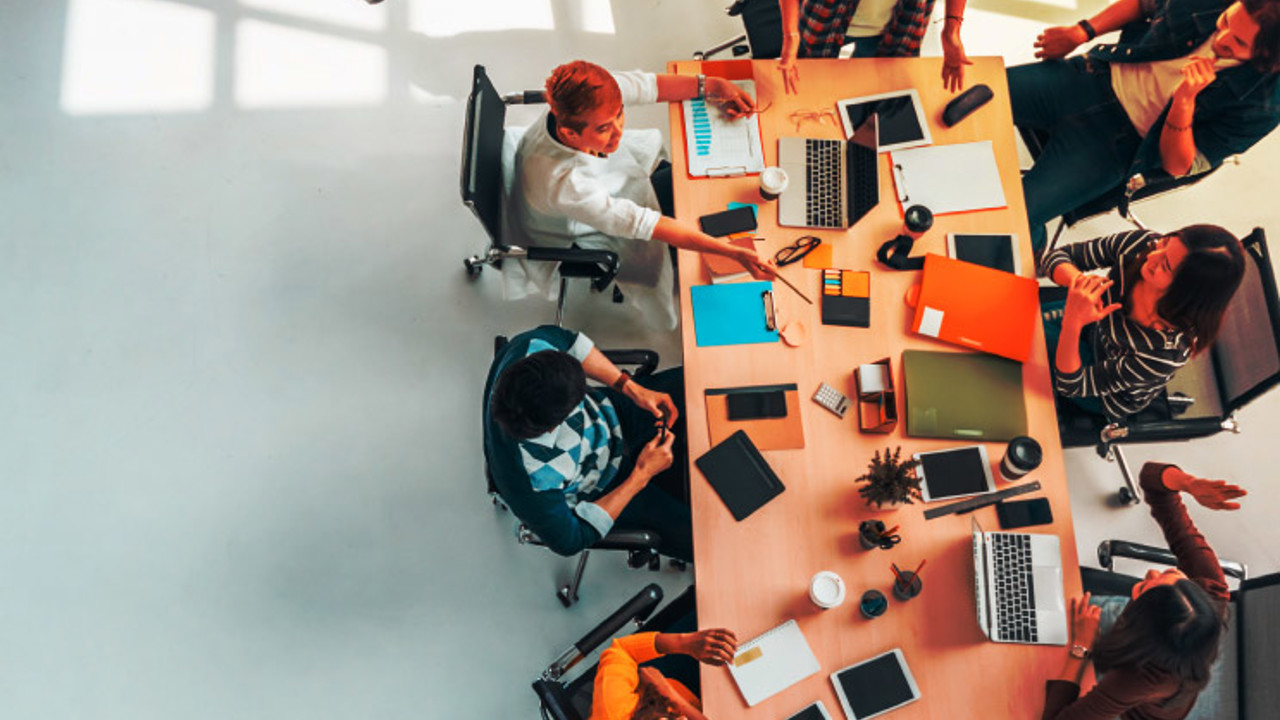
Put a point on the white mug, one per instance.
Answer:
(826, 590)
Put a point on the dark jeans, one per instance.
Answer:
(864, 47)
(660, 179)
(1091, 144)
(1052, 331)
(663, 505)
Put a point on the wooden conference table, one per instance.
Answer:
(754, 575)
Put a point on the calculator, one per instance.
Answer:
(831, 399)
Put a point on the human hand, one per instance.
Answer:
(1084, 621)
(790, 73)
(1084, 300)
(953, 58)
(1213, 494)
(653, 401)
(759, 269)
(656, 456)
(1056, 43)
(733, 100)
(1197, 74)
(714, 646)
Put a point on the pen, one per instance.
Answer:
(919, 568)
(897, 573)
(890, 531)
(794, 288)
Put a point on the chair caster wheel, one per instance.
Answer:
(474, 267)
(563, 596)
(679, 565)
(1126, 497)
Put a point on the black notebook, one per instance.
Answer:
(739, 475)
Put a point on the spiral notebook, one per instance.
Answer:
(768, 664)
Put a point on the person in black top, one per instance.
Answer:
(1170, 292)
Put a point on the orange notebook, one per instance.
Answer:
(977, 307)
(781, 433)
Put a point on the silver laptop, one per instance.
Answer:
(834, 182)
(1018, 584)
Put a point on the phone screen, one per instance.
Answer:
(1023, 513)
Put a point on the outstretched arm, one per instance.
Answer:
(1058, 42)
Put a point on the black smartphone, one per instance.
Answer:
(1023, 513)
(728, 222)
(757, 405)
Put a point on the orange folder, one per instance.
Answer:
(977, 307)
(784, 433)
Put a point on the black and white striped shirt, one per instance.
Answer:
(1132, 362)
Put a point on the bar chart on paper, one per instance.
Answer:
(718, 146)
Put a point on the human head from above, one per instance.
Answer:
(1171, 624)
(1196, 271)
(587, 106)
(535, 394)
(1249, 30)
(658, 700)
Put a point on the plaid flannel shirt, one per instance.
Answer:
(823, 24)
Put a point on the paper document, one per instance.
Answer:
(773, 662)
(717, 146)
(949, 178)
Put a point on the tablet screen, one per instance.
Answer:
(816, 711)
(875, 686)
(956, 473)
(994, 250)
(899, 118)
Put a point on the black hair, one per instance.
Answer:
(1174, 628)
(1265, 53)
(536, 393)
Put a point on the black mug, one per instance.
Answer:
(1021, 457)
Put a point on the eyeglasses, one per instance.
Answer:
(796, 251)
(800, 117)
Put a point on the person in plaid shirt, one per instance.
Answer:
(880, 28)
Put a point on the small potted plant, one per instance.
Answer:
(889, 479)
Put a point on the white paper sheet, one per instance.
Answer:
(717, 146)
(949, 178)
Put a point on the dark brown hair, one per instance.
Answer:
(1203, 283)
(1265, 55)
(536, 393)
(1172, 628)
(576, 88)
(652, 704)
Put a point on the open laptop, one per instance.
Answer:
(1018, 584)
(841, 179)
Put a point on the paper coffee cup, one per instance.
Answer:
(826, 590)
(773, 182)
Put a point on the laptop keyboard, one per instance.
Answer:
(822, 185)
(866, 181)
(1015, 591)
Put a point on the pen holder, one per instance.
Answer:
(869, 534)
(908, 586)
(873, 604)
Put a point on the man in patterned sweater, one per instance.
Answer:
(571, 460)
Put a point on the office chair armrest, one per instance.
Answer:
(636, 610)
(1163, 430)
(599, 265)
(618, 539)
(645, 361)
(1109, 550)
(553, 700)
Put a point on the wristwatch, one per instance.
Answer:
(1080, 652)
(624, 377)
(702, 87)
(1088, 29)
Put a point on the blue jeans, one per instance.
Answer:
(1052, 331)
(1091, 144)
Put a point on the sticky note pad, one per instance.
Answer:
(754, 653)
(855, 283)
(819, 258)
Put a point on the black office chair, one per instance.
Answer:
(483, 191)
(1243, 682)
(1203, 397)
(762, 22)
(641, 545)
(561, 699)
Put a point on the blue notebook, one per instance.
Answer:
(731, 314)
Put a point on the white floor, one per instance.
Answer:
(241, 364)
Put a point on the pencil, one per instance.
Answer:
(794, 288)
(919, 568)
(890, 531)
(897, 573)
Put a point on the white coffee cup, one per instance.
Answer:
(826, 590)
(773, 182)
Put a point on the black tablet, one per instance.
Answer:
(899, 118)
(994, 250)
(876, 686)
(816, 711)
(954, 473)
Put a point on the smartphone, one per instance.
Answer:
(1023, 513)
(728, 222)
(757, 405)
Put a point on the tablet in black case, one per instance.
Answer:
(739, 475)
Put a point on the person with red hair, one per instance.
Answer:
(580, 178)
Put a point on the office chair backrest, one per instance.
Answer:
(481, 179)
(1247, 354)
(1258, 621)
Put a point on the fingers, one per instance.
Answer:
(1110, 309)
(669, 405)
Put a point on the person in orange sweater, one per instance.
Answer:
(625, 691)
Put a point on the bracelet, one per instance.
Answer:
(1088, 29)
(702, 86)
(957, 18)
(1176, 128)
(621, 383)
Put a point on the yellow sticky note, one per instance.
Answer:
(856, 284)
(754, 653)
(820, 257)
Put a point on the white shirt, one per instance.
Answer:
(1144, 89)
(870, 18)
(562, 196)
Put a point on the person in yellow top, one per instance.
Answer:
(625, 691)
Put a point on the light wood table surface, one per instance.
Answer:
(754, 575)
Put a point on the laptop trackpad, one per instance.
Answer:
(1048, 585)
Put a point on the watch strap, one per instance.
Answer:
(702, 87)
(1088, 29)
(624, 377)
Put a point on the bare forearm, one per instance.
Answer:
(790, 27)
(674, 232)
(1116, 15)
(666, 643)
(615, 501)
(599, 368)
(955, 8)
(1177, 143)
(673, 88)
(1067, 359)
(1064, 274)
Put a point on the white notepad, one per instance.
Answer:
(772, 662)
(949, 178)
(717, 146)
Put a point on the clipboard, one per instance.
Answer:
(714, 145)
(734, 313)
(949, 178)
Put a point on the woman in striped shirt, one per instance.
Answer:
(1170, 292)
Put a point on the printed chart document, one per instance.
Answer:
(717, 146)
(949, 178)
(772, 662)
